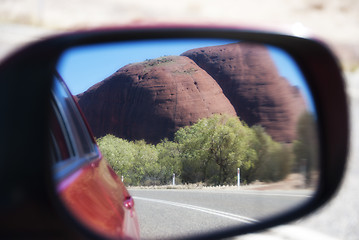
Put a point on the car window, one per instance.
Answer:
(61, 147)
(72, 120)
(72, 145)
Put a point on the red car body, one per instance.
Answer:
(88, 187)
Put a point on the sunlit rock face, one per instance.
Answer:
(153, 99)
(250, 80)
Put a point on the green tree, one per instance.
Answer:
(168, 160)
(209, 151)
(145, 169)
(218, 145)
(274, 160)
(135, 161)
(193, 149)
(306, 146)
(118, 152)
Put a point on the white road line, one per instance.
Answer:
(239, 192)
(202, 209)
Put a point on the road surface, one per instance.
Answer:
(162, 212)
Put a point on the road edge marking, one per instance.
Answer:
(231, 216)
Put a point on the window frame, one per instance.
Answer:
(78, 141)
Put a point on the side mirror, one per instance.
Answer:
(244, 129)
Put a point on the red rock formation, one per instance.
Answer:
(152, 99)
(250, 80)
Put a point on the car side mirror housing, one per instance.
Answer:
(273, 88)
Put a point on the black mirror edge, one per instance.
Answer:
(318, 64)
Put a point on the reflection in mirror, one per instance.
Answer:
(205, 134)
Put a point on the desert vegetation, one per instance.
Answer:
(210, 151)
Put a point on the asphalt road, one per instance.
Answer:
(174, 213)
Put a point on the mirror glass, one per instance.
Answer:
(205, 134)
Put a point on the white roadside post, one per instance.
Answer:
(238, 177)
(173, 179)
(122, 178)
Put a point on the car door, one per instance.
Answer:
(88, 187)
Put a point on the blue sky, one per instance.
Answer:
(82, 67)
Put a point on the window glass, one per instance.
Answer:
(72, 121)
(61, 146)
